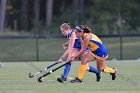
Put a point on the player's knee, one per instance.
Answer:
(101, 69)
(88, 68)
(83, 63)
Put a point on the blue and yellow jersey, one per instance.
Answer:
(69, 36)
(77, 43)
(96, 46)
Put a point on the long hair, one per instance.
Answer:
(86, 29)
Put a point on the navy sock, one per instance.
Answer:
(93, 70)
(66, 70)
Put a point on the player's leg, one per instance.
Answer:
(101, 66)
(66, 71)
(92, 69)
(65, 55)
(67, 67)
(82, 68)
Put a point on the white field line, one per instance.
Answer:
(17, 91)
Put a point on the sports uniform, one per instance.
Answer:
(77, 46)
(97, 50)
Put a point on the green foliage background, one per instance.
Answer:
(101, 15)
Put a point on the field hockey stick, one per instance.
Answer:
(40, 79)
(35, 74)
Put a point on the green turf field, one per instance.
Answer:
(14, 79)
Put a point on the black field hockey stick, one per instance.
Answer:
(35, 74)
(40, 79)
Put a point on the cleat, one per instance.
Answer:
(114, 75)
(61, 79)
(76, 80)
(98, 77)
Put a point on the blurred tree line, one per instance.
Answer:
(105, 17)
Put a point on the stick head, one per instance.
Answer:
(30, 75)
(40, 79)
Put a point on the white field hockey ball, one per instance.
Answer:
(1, 65)
(50, 71)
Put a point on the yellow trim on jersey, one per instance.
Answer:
(92, 46)
(94, 37)
(91, 43)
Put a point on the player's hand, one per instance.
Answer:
(61, 60)
(73, 58)
(65, 45)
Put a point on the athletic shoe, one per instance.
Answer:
(76, 80)
(61, 79)
(98, 77)
(114, 75)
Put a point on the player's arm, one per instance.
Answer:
(70, 47)
(62, 58)
(84, 46)
(71, 41)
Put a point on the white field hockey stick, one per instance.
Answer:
(35, 74)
